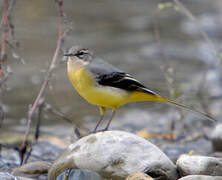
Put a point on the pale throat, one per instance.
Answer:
(74, 65)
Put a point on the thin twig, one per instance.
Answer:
(48, 75)
(56, 112)
(204, 101)
(53, 110)
(37, 130)
(22, 152)
(188, 14)
(202, 85)
(27, 155)
(168, 73)
(4, 36)
(3, 54)
(67, 174)
(10, 7)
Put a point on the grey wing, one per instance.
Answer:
(98, 68)
(108, 75)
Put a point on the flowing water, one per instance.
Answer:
(135, 36)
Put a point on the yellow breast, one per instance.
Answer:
(99, 95)
(81, 80)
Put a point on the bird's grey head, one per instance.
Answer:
(80, 53)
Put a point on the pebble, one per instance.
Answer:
(199, 165)
(76, 174)
(139, 176)
(8, 176)
(115, 154)
(32, 169)
(201, 177)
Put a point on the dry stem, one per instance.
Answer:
(188, 14)
(48, 75)
(4, 36)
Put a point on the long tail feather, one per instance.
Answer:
(191, 109)
(147, 95)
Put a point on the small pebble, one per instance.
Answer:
(77, 174)
(201, 177)
(8, 176)
(32, 169)
(139, 176)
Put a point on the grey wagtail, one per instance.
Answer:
(106, 86)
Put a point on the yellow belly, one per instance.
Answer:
(104, 96)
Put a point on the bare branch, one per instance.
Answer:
(188, 14)
(214, 50)
(3, 54)
(4, 36)
(48, 74)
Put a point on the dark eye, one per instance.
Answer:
(80, 54)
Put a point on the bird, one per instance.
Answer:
(106, 86)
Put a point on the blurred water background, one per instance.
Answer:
(137, 37)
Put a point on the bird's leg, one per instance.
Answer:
(113, 114)
(77, 133)
(102, 113)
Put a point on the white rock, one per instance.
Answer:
(199, 165)
(201, 177)
(115, 154)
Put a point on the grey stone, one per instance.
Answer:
(139, 176)
(201, 177)
(115, 154)
(80, 175)
(32, 169)
(216, 137)
(199, 165)
(8, 176)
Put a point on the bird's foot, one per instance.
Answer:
(101, 130)
(79, 135)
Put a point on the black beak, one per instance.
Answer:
(70, 54)
(65, 59)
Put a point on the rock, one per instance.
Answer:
(80, 175)
(201, 177)
(199, 165)
(216, 137)
(115, 154)
(139, 176)
(32, 169)
(8, 176)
